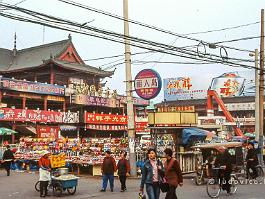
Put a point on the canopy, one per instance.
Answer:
(193, 133)
(217, 145)
(6, 131)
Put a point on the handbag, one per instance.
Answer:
(163, 185)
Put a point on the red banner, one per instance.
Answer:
(106, 127)
(95, 118)
(24, 115)
(47, 131)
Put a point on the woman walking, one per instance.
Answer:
(151, 175)
(173, 174)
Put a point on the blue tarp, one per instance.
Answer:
(193, 133)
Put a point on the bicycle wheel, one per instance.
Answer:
(233, 185)
(260, 174)
(37, 186)
(213, 188)
(57, 189)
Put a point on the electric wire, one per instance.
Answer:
(184, 36)
(165, 47)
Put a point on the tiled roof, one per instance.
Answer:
(37, 56)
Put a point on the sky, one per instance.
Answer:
(182, 17)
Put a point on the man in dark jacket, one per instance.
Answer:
(224, 160)
(252, 160)
(8, 157)
(107, 169)
(123, 170)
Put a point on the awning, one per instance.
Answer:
(191, 133)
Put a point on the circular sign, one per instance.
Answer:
(147, 84)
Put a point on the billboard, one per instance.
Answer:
(31, 87)
(239, 83)
(147, 84)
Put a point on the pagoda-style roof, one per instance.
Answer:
(62, 53)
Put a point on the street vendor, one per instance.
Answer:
(44, 172)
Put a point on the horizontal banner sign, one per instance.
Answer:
(47, 131)
(31, 87)
(95, 118)
(176, 109)
(94, 101)
(106, 127)
(26, 115)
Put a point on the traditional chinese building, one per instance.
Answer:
(49, 89)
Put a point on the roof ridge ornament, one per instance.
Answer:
(70, 37)
(15, 45)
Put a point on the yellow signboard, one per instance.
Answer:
(58, 160)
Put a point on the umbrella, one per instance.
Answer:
(6, 131)
(250, 135)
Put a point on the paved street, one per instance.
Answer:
(21, 185)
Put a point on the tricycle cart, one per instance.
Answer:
(62, 184)
(209, 153)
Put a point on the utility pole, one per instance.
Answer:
(257, 110)
(261, 86)
(130, 111)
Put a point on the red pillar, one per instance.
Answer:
(23, 103)
(35, 77)
(64, 106)
(1, 95)
(52, 75)
(45, 103)
(13, 135)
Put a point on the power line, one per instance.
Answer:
(162, 48)
(184, 36)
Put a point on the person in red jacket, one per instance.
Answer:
(108, 168)
(123, 170)
(44, 172)
(173, 174)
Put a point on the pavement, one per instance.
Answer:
(21, 185)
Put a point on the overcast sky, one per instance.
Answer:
(181, 17)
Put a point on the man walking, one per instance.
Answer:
(8, 157)
(123, 170)
(107, 169)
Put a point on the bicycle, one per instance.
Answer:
(250, 173)
(215, 185)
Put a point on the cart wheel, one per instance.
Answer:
(71, 190)
(199, 180)
(37, 186)
(57, 189)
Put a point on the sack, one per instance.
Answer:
(164, 186)
(142, 196)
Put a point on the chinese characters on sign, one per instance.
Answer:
(95, 101)
(58, 160)
(176, 109)
(147, 84)
(32, 87)
(47, 131)
(25, 115)
(94, 118)
(106, 127)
